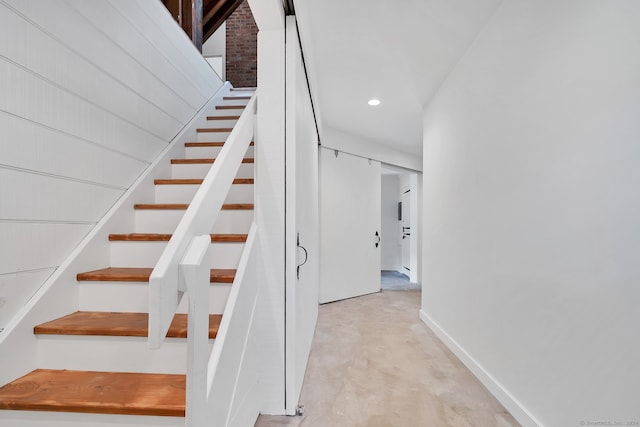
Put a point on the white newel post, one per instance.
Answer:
(195, 273)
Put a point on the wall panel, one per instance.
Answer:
(34, 245)
(28, 145)
(16, 289)
(156, 22)
(86, 41)
(29, 96)
(91, 93)
(52, 61)
(144, 53)
(35, 197)
(531, 211)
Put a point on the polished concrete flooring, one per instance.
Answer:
(374, 363)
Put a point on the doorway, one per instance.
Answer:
(400, 228)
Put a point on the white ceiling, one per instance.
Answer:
(398, 52)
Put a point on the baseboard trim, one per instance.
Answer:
(519, 412)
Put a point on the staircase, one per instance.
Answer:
(95, 364)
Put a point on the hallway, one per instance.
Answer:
(375, 364)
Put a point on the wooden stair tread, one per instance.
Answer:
(243, 89)
(96, 392)
(202, 161)
(209, 144)
(99, 323)
(133, 274)
(230, 107)
(204, 130)
(179, 206)
(151, 237)
(231, 98)
(223, 117)
(182, 181)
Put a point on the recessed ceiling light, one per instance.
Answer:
(374, 102)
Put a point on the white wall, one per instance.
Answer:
(91, 94)
(390, 228)
(531, 210)
(215, 50)
(353, 144)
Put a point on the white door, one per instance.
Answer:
(406, 232)
(350, 192)
(302, 229)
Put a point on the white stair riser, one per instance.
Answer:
(192, 171)
(183, 193)
(239, 101)
(221, 123)
(209, 152)
(146, 254)
(134, 297)
(166, 221)
(113, 354)
(71, 419)
(231, 111)
(212, 136)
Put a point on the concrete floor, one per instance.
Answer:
(395, 281)
(374, 363)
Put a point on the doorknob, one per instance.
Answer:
(306, 256)
(378, 237)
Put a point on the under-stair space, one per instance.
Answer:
(97, 360)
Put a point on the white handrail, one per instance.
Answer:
(166, 284)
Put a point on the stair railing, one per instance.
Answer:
(184, 267)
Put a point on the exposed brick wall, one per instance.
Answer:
(242, 48)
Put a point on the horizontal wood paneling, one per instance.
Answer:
(91, 93)
(26, 95)
(30, 246)
(16, 289)
(175, 44)
(32, 146)
(28, 196)
(87, 42)
(44, 55)
(144, 52)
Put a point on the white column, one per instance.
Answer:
(270, 196)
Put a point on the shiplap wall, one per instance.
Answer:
(90, 94)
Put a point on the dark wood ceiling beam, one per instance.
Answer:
(201, 18)
(211, 12)
(217, 15)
